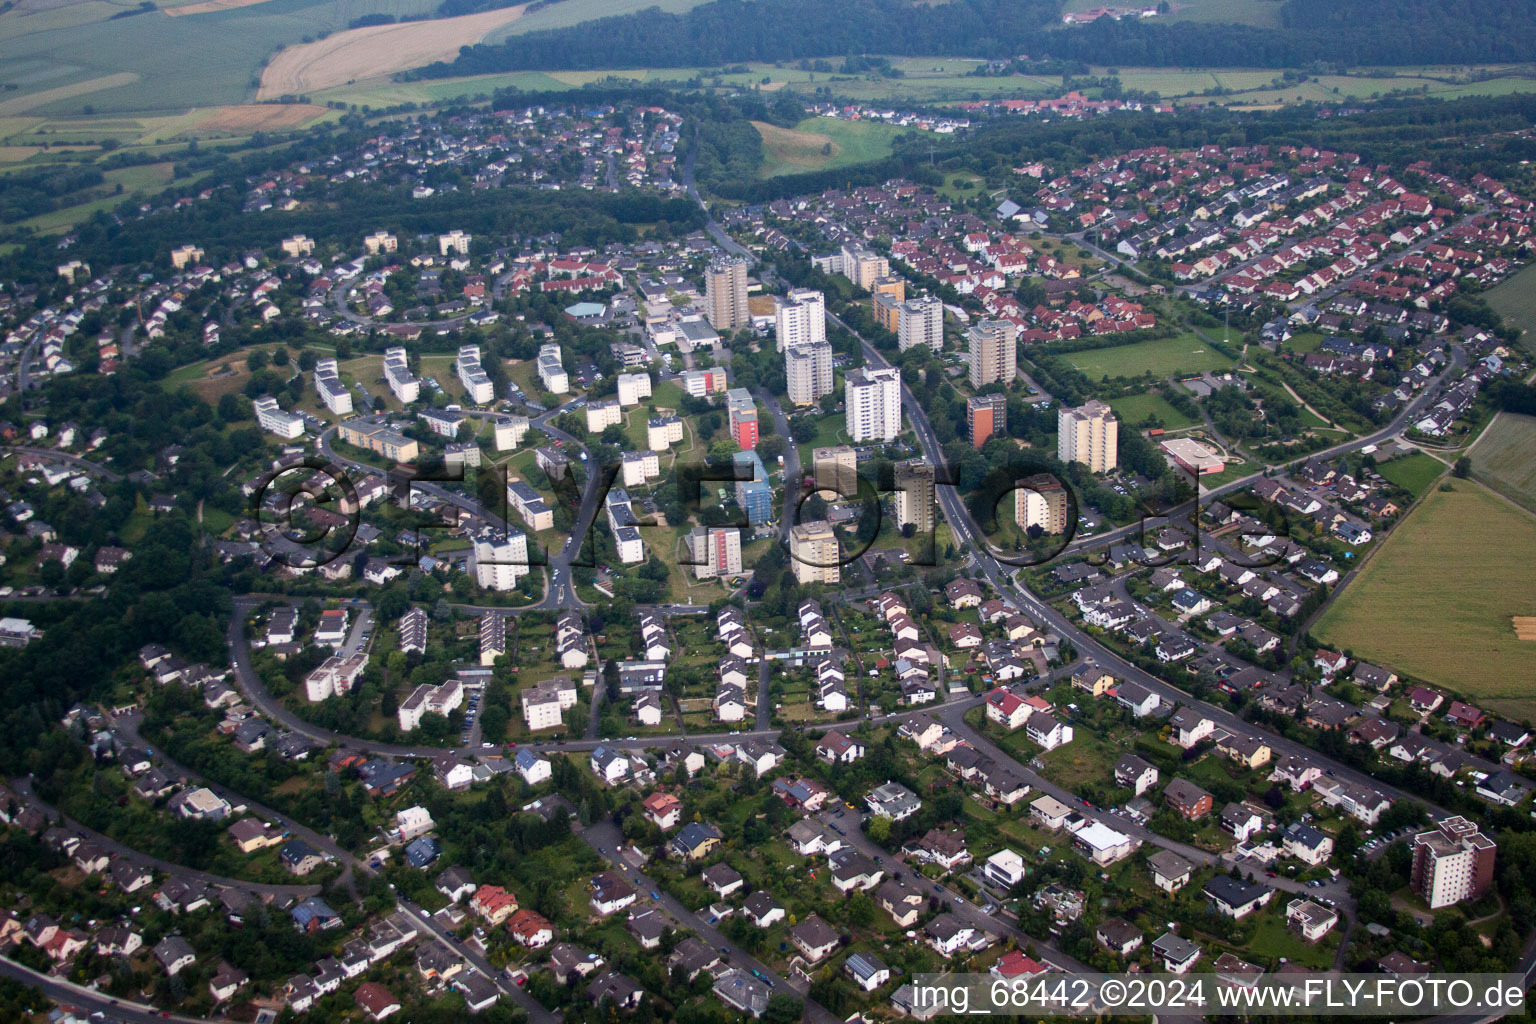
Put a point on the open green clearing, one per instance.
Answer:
(1515, 300)
(1436, 599)
(1504, 458)
(818, 143)
(1164, 357)
(1134, 409)
(1414, 472)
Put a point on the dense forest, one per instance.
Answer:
(1332, 32)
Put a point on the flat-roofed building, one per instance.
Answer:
(920, 321)
(914, 499)
(501, 559)
(993, 352)
(986, 417)
(379, 439)
(1452, 863)
(1041, 501)
(1089, 434)
(808, 372)
(813, 550)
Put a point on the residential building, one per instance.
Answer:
(872, 404)
(993, 352)
(741, 412)
(1041, 502)
(813, 551)
(986, 417)
(836, 468)
(274, 420)
(1089, 434)
(725, 294)
(1452, 863)
(397, 374)
(800, 318)
(915, 503)
(808, 371)
(716, 551)
(920, 321)
(379, 439)
(551, 370)
(501, 559)
(477, 385)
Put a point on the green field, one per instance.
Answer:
(1504, 458)
(821, 142)
(1414, 472)
(1436, 599)
(1164, 357)
(206, 59)
(1134, 409)
(1515, 300)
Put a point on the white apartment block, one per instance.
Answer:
(273, 420)
(808, 371)
(500, 561)
(380, 241)
(298, 245)
(510, 431)
(455, 242)
(551, 373)
(397, 373)
(640, 467)
(633, 387)
(800, 318)
(872, 404)
(1089, 434)
(328, 384)
(477, 385)
(430, 700)
(663, 432)
(603, 414)
(920, 321)
(716, 551)
(334, 676)
(545, 705)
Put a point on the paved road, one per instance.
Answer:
(607, 840)
(128, 725)
(23, 788)
(969, 536)
(95, 468)
(67, 993)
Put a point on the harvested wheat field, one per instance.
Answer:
(377, 50)
(259, 117)
(208, 7)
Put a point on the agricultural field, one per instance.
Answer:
(155, 63)
(1134, 409)
(1435, 601)
(375, 51)
(1515, 300)
(818, 143)
(1504, 458)
(1163, 357)
(1414, 472)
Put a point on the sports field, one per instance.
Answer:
(1164, 357)
(1436, 599)
(1504, 458)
